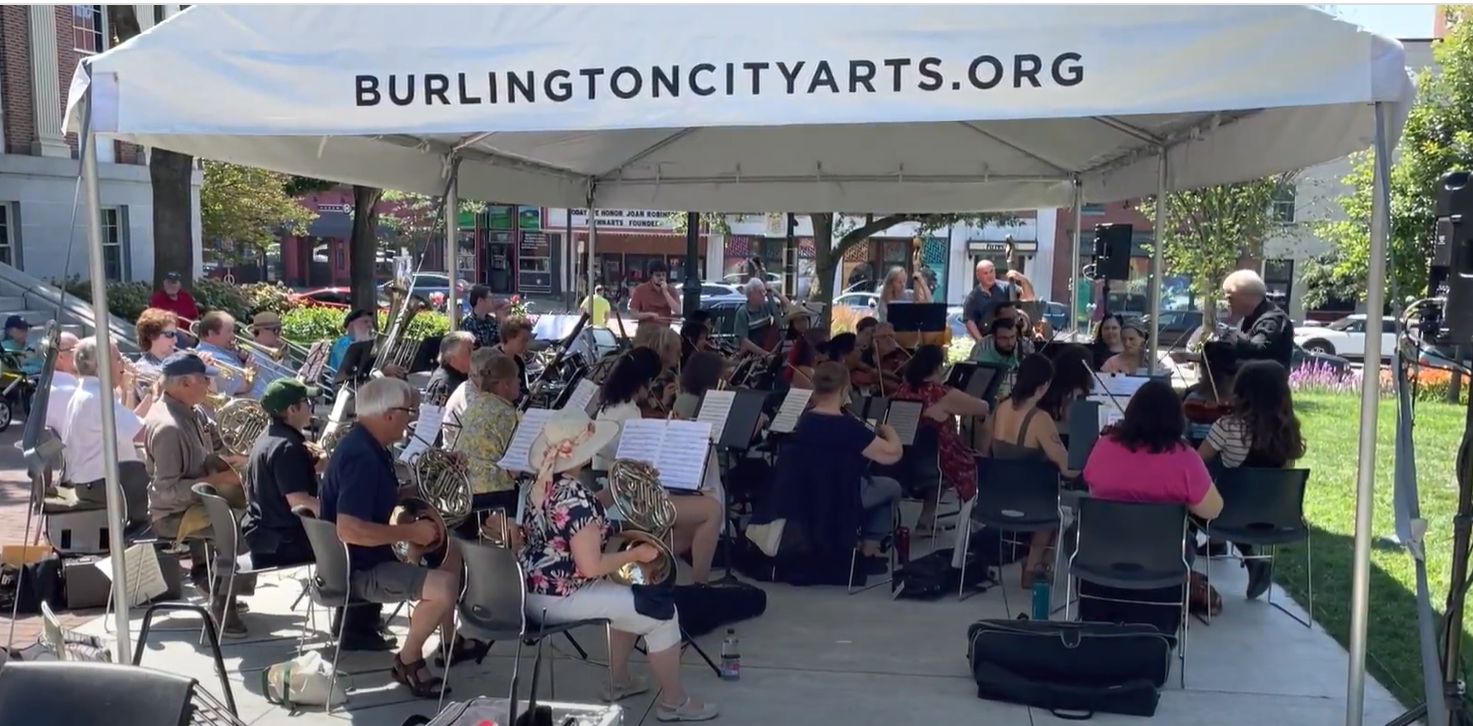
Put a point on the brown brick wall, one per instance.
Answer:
(1114, 212)
(20, 125)
(66, 62)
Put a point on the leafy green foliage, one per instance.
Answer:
(713, 222)
(211, 294)
(1438, 138)
(242, 209)
(1208, 230)
(126, 300)
(307, 325)
(416, 218)
(267, 297)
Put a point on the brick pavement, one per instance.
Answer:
(15, 489)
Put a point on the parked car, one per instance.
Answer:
(712, 292)
(1302, 357)
(1346, 337)
(426, 284)
(737, 279)
(331, 297)
(1176, 328)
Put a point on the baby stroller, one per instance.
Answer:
(16, 389)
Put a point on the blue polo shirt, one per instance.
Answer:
(360, 482)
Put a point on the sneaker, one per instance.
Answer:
(1260, 577)
(634, 687)
(687, 712)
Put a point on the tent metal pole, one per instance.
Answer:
(1370, 399)
(592, 237)
(97, 271)
(1157, 225)
(1074, 311)
(452, 243)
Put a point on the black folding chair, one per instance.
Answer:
(226, 544)
(920, 465)
(65, 693)
(1264, 508)
(1133, 546)
(1013, 495)
(328, 583)
(492, 606)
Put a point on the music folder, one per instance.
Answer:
(677, 449)
(583, 396)
(357, 363)
(978, 380)
(518, 454)
(914, 317)
(739, 423)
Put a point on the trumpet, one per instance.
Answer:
(245, 342)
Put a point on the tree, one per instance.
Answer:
(1438, 138)
(829, 251)
(1208, 231)
(171, 175)
(363, 248)
(246, 208)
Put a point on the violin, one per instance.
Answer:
(1202, 411)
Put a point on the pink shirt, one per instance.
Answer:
(1116, 473)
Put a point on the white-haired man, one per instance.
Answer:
(63, 382)
(359, 494)
(455, 366)
(759, 322)
(1264, 331)
(81, 432)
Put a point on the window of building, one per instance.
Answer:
(159, 14)
(115, 243)
(7, 235)
(89, 28)
(1278, 277)
(1282, 206)
(1093, 210)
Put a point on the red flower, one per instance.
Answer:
(516, 299)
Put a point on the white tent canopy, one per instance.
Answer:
(754, 108)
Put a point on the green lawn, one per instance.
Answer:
(1330, 429)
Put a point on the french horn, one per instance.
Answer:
(442, 480)
(412, 510)
(241, 421)
(648, 514)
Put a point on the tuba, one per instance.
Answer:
(648, 514)
(395, 347)
(443, 482)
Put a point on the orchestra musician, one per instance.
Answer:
(889, 357)
(1001, 347)
(1264, 331)
(563, 549)
(360, 325)
(862, 372)
(217, 338)
(180, 452)
(1106, 342)
(759, 322)
(516, 339)
(81, 431)
(281, 475)
(665, 344)
(158, 337)
(1073, 380)
(808, 351)
(1131, 360)
(265, 330)
(454, 368)
(486, 428)
(627, 386)
(359, 494)
(653, 302)
(943, 405)
(695, 337)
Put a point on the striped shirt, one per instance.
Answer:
(1230, 437)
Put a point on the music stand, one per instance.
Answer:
(426, 357)
(914, 317)
(741, 421)
(1084, 431)
(978, 380)
(357, 363)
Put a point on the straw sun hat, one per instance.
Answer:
(571, 439)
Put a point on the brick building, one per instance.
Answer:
(40, 46)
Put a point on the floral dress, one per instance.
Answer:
(547, 556)
(958, 464)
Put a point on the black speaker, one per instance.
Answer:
(1452, 255)
(1112, 251)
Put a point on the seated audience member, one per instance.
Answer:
(172, 297)
(942, 406)
(1131, 360)
(81, 432)
(1073, 380)
(1002, 348)
(180, 451)
(563, 546)
(359, 493)
(454, 368)
(486, 428)
(1106, 342)
(1261, 431)
(17, 342)
(822, 486)
(1144, 458)
(63, 383)
(1021, 430)
(281, 474)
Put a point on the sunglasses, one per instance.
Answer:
(269, 329)
(170, 333)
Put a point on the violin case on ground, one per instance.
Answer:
(705, 608)
(1072, 669)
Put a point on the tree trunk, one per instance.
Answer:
(363, 248)
(173, 245)
(825, 261)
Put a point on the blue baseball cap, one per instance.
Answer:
(16, 321)
(184, 364)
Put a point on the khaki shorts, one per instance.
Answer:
(389, 582)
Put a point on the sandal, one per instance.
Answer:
(462, 650)
(407, 675)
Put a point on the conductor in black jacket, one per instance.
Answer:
(1264, 331)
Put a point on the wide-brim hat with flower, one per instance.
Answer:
(570, 439)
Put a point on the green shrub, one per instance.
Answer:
(126, 300)
(306, 325)
(267, 297)
(211, 294)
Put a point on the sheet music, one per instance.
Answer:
(519, 452)
(1119, 384)
(715, 409)
(905, 418)
(582, 396)
(426, 432)
(141, 571)
(792, 407)
(677, 449)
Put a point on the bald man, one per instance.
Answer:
(63, 383)
(977, 310)
(1264, 331)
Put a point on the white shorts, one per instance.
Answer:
(604, 599)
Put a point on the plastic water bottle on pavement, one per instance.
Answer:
(731, 657)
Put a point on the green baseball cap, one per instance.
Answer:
(283, 393)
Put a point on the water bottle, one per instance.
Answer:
(1041, 599)
(731, 657)
(902, 544)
